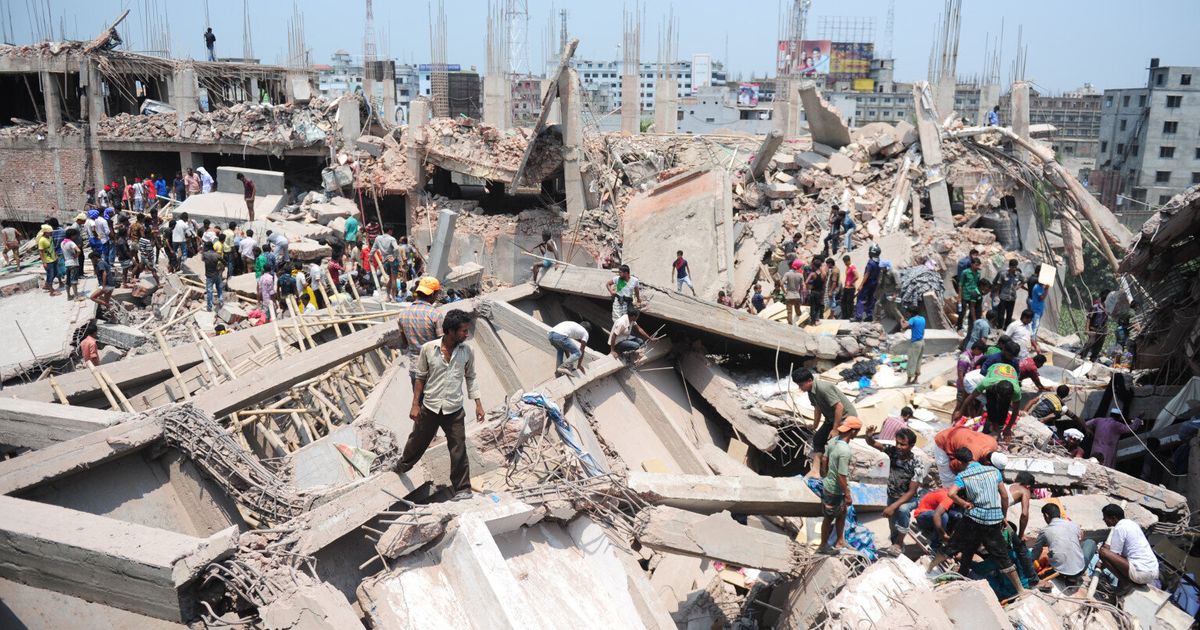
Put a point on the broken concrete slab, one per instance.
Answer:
(313, 606)
(825, 122)
(266, 183)
(840, 165)
(718, 388)
(719, 537)
(126, 565)
(120, 336)
(869, 600)
(32, 424)
(937, 341)
(971, 605)
(693, 211)
(706, 494)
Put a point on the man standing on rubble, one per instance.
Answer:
(964, 263)
(830, 405)
(443, 366)
(682, 273)
(191, 181)
(979, 490)
(815, 283)
(915, 324)
(1107, 431)
(1096, 324)
(625, 289)
(209, 40)
(889, 292)
(1021, 332)
(1005, 287)
(993, 117)
(386, 250)
(848, 282)
(970, 296)
(865, 308)
(546, 253)
(902, 482)
(212, 275)
(835, 232)
(248, 190)
(419, 323)
(835, 487)
(569, 340)
(793, 283)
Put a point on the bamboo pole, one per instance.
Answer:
(103, 385)
(166, 352)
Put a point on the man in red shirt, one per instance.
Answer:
(87, 348)
(847, 302)
(936, 515)
(248, 191)
(981, 446)
(1028, 369)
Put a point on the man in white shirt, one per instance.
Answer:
(621, 339)
(1022, 333)
(1127, 553)
(179, 236)
(246, 249)
(281, 243)
(569, 340)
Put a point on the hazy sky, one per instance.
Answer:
(1104, 42)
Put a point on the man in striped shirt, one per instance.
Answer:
(420, 322)
(979, 491)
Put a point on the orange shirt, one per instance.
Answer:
(950, 440)
(88, 348)
(932, 501)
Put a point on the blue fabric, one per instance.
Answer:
(565, 347)
(758, 302)
(982, 489)
(565, 432)
(856, 535)
(1037, 299)
(917, 325)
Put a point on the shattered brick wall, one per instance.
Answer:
(38, 180)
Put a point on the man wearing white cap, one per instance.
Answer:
(1074, 442)
(1106, 432)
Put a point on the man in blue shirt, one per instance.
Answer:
(865, 307)
(682, 273)
(916, 347)
(994, 117)
(1037, 304)
(979, 491)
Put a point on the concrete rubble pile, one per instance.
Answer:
(252, 476)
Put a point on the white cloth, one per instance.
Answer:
(206, 180)
(945, 475)
(572, 330)
(1128, 541)
(209, 236)
(1022, 334)
(971, 380)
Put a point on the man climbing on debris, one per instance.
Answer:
(209, 40)
(1127, 553)
(948, 441)
(11, 236)
(419, 323)
(1069, 553)
(835, 487)
(622, 340)
(625, 289)
(830, 405)
(865, 308)
(1049, 408)
(546, 253)
(793, 284)
(791, 246)
(1002, 398)
(569, 340)
(979, 491)
(443, 366)
(1107, 431)
(682, 273)
(1028, 368)
(902, 482)
(849, 278)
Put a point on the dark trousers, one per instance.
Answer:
(971, 312)
(847, 303)
(423, 432)
(816, 306)
(1006, 311)
(1095, 343)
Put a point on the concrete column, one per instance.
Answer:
(51, 101)
(497, 101)
(183, 92)
(418, 114)
(253, 90)
(780, 109)
(989, 97)
(766, 151)
(553, 118)
(631, 104)
(1020, 114)
(443, 241)
(569, 109)
(666, 106)
(93, 110)
(389, 100)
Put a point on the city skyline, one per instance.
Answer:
(1066, 48)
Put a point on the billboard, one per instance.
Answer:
(450, 67)
(747, 94)
(806, 58)
(850, 61)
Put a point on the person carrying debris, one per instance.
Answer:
(902, 482)
(1127, 553)
(681, 272)
(443, 366)
(622, 340)
(1069, 553)
(865, 308)
(1107, 431)
(11, 236)
(849, 278)
(793, 283)
(209, 40)
(979, 491)
(547, 253)
(829, 404)
(419, 323)
(569, 340)
(625, 289)
(835, 487)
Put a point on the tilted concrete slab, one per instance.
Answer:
(314, 606)
(36, 608)
(265, 182)
(692, 212)
(77, 455)
(707, 494)
(719, 537)
(825, 122)
(716, 387)
(33, 424)
(354, 506)
(130, 566)
(223, 207)
(972, 605)
(701, 315)
(869, 600)
(39, 330)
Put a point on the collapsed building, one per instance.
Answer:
(248, 478)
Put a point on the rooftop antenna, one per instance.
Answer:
(888, 29)
(516, 13)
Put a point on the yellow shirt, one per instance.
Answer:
(46, 249)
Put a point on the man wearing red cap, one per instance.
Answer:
(836, 497)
